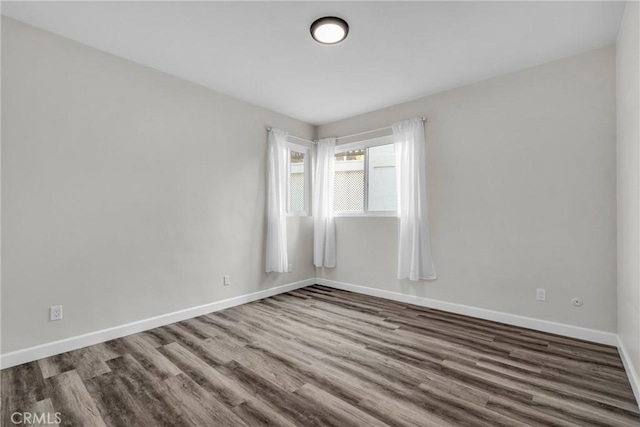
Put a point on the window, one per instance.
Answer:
(382, 178)
(365, 178)
(299, 182)
(348, 190)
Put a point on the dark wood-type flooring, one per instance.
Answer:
(324, 357)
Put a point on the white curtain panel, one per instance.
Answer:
(414, 244)
(277, 260)
(324, 229)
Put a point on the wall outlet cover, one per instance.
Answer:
(55, 312)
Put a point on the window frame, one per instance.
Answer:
(306, 151)
(365, 144)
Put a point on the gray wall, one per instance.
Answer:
(629, 185)
(522, 195)
(126, 193)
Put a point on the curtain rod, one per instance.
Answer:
(297, 137)
(346, 136)
(370, 131)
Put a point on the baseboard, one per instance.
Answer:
(50, 349)
(634, 380)
(481, 313)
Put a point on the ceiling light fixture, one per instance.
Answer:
(329, 30)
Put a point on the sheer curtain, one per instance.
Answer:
(414, 244)
(324, 230)
(277, 260)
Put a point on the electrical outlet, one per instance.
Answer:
(226, 281)
(290, 268)
(576, 302)
(541, 294)
(55, 312)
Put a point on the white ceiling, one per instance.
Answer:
(262, 51)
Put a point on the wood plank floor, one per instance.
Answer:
(324, 357)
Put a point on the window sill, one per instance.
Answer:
(373, 214)
(298, 214)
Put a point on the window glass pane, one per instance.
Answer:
(296, 182)
(348, 194)
(382, 178)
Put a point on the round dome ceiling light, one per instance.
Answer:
(329, 30)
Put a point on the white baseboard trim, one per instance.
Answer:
(481, 313)
(634, 380)
(50, 349)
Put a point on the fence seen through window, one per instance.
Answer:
(365, 180)
(297, 193)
